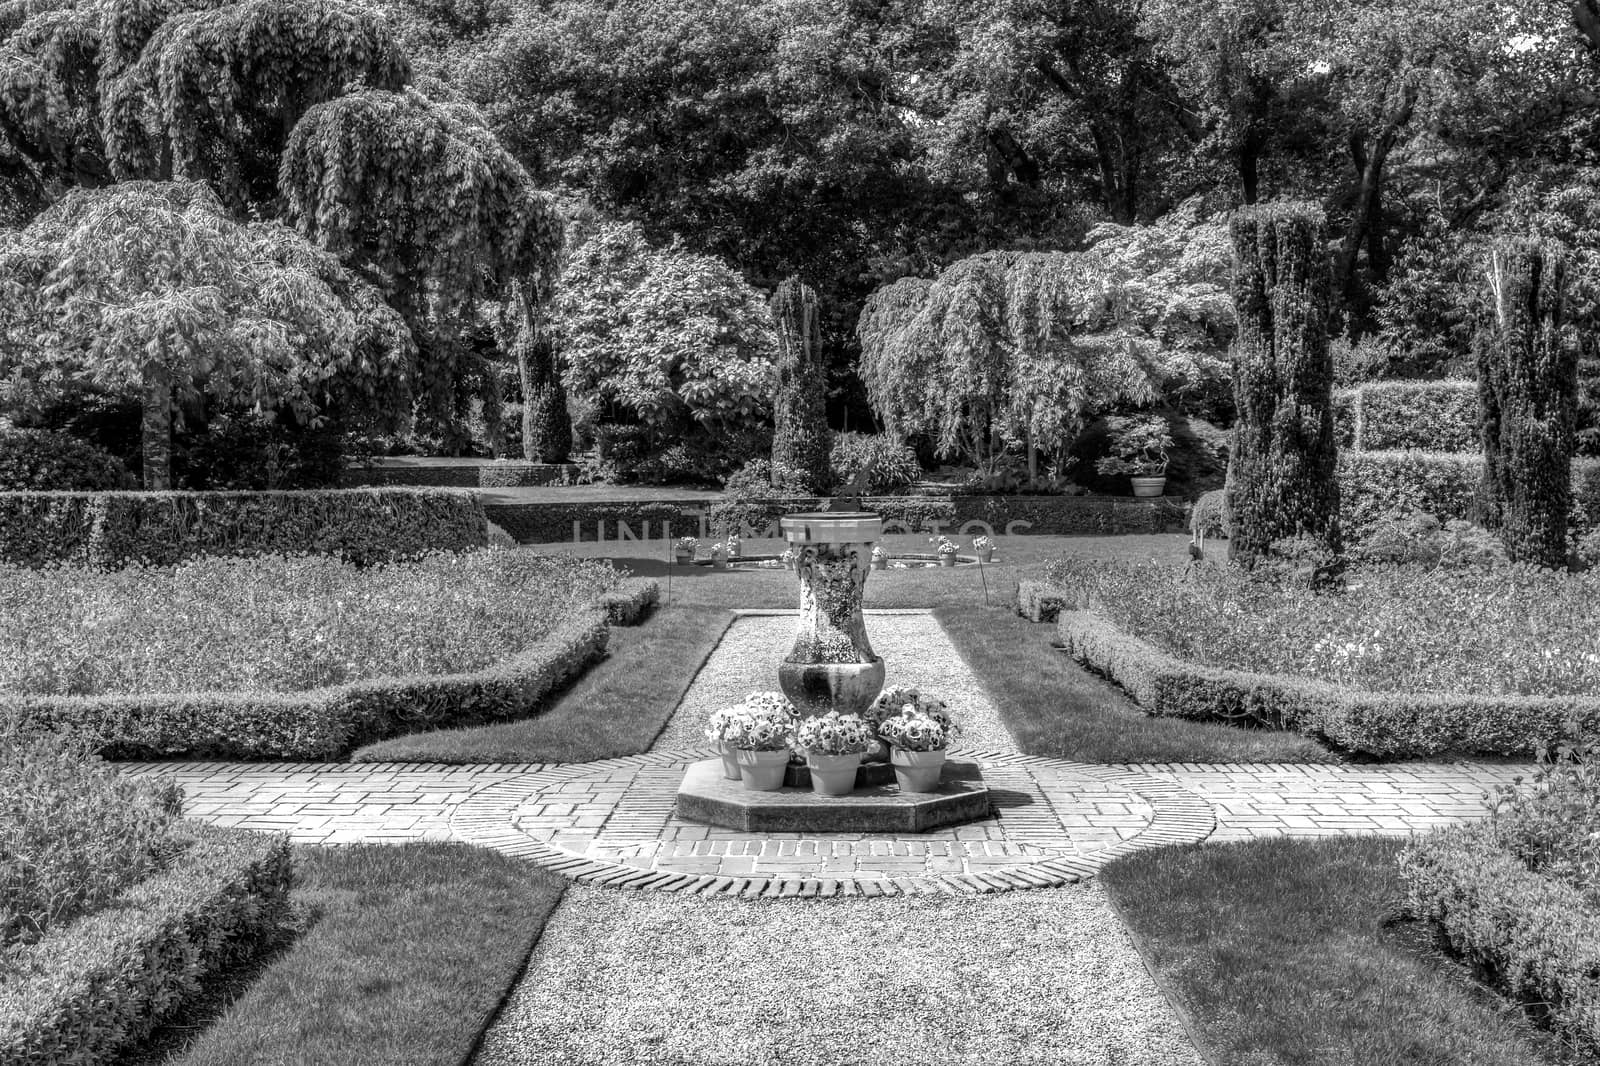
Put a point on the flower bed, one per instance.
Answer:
(95, 986)
(1519, 895)
(110, 529)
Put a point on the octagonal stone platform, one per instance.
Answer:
(706, 795)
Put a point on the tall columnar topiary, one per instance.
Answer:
(1281, 467)
(546, 423)
(800, 439)
(1527, 394)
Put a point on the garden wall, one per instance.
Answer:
(111, 529)
(96, 986)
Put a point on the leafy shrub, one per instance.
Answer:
(161, 528)
(1210, 517)
(274, 624)
(746, 504)
(1430, 416)
(1394, 629)
(1422, 540)
(95, 987)
(75, 832)
(42, 460)
(251, 452)
(1550, 821)
(889, 465)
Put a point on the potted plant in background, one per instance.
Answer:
(1139, 446)
(760, 741)
(880, 558)
(719, 556)
(684, 549)
(947, 551)
(833, 744)
(918, 729)
(732, 545)
(984, 547)
(718, 727)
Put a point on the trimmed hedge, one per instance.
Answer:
(561, 523)
(321, 723)
(631, 601)
(1039, 601)
(381, 475)
(1059, 515)
(1429, 416)
(513, 474)
(1537, 937)
(110, 529)
(1390, 725)
(1443, 485)
(94, 987)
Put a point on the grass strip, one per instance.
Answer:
(404, 955)
(615, 709)
(1292, 952)
(1056, 708)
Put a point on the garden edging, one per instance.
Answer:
(1384, 724)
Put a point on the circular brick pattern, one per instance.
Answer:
(612, 823)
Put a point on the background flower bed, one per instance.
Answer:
(274, 624)
(1396, 629)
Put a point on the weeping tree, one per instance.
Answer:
(1001, 348)
(1527, 355)
(1281, 467)
(151, 289)
(800, 439)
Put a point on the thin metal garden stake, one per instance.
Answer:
(985, 578)
(670, 563)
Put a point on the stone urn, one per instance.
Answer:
(832, 666)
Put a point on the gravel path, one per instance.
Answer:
(623, 978)
(914, 645)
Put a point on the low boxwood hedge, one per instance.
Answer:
(1039, 601)
(1065, 515)
(111, 529)
(1430, 416)
(1390, 725)
(513, 474)
(92, 988)
(321, 723)
(1536, 937)
(631, 601)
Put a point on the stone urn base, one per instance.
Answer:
(817, 688)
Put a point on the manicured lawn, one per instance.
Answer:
(617, 708)
(404, 955)
(1056, 708)
(1286, 952)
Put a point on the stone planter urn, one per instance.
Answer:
(832, 666)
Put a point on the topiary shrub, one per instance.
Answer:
(42, 460)
(1527, 394)
(1433, 416)
(800, 438)
(1210, 517)
(1281, 480)
(889, 465)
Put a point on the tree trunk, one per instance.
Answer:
(156, 428)
(1366, 217)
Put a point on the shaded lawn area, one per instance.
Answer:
(1287, 952)
(617, 708)
(403, 956)
(1056, 708)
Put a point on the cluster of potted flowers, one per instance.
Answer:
(684, 548)
(757, 736)
(984, 547)
(947, 551)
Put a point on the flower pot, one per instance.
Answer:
(682, 557)
(917, 771)
(833, 775)
(762, 771)
(947, 559)
(730, 762)
(985, 554)
(1148, 486)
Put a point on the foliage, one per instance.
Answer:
(669, 343)
(1527, 385)
(274, 624)
(1420, 539)
(252, 452)
(1281, 466)
(746, 502)
(1394, 629)
(764, 722)
(1139, 445)
(1431, 416)
(150, 288)
(1548, 821)
(887, 464)
(914, 732)
(161, 528)
(75, 834)
(44, 460)
(800, 437)
(833, 734)
(1210, 517)
(92, 990)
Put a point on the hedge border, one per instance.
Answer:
(321, 724)
(631, 601)
(1431, 416)
(379, 476)
(102, 983)
(1039, 601)
(1536, 936)
(1384, 724)
(516, 474)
